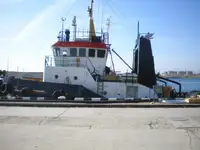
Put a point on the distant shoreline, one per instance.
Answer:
(184, 77)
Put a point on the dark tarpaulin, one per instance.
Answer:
(146, 75)
(136, 61)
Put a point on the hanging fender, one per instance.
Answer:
(77, 61)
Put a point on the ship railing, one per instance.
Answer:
(64, 61)
(128, 78)
(81, 35)
(125, 78)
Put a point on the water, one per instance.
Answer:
(188, 84)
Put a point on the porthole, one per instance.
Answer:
(75, 77)
(56, 76)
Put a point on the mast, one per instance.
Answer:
(108, 29)
(138, 43)
(91, 26)
(136, 48)
(138, 30)
(74, 25)
(63, 20)
(107, 42)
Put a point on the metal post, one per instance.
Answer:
(149, 92)
(121, 59)
(7, 67)
(138, 40)
(63, 20)
(17, 72)
(18, 77)
(74, 25)
(51, 61)
(133, 63)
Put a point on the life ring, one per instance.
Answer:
(94, 73)
(6, 88)
(58, 93)
(96, 76)
(1, 82)
(26, 91)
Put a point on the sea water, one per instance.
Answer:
(188, 84)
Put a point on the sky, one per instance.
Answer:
(28, 28)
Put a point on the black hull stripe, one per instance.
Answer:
(77, 99)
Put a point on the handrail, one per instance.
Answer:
(162, 81)
(172, 81)
(91, 64)
(63, 61)
(80, 35)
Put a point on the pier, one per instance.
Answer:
(69, 128)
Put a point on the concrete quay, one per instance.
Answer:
(32, 128)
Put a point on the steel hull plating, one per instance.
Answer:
(34, 88)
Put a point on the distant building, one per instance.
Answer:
(172, 72)
(182, 73)
(34, 76)
(165, 73)
(178, 73)
(189, 73)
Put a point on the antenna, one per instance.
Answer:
(108, 29)
(138, 30)
(138, 43)
(108, 23)
(92, 28)
(63, 20)
(90, 9)
(74, 25)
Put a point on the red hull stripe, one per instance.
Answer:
(80, 44)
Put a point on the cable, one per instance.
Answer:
(116, 14)
(116, 11)
(72, 6)
(98, 12)
(112, 3)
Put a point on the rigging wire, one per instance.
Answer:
(98, 15)
(113, 4)
(117, 12)
(102, 20)
(72, 6)
(98, 12)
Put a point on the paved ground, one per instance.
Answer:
(99, 128)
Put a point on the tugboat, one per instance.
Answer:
(78, 68)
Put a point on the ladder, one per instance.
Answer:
(100, 88)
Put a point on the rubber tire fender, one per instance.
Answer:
(56, 94)
(25, 91)
(6, 88)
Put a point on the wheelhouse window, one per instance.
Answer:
(56, 51)
(64, 53)
(91, 53)
(73, 52)
(82, 52)
(100, 53)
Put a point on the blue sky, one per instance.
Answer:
(29, 27)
